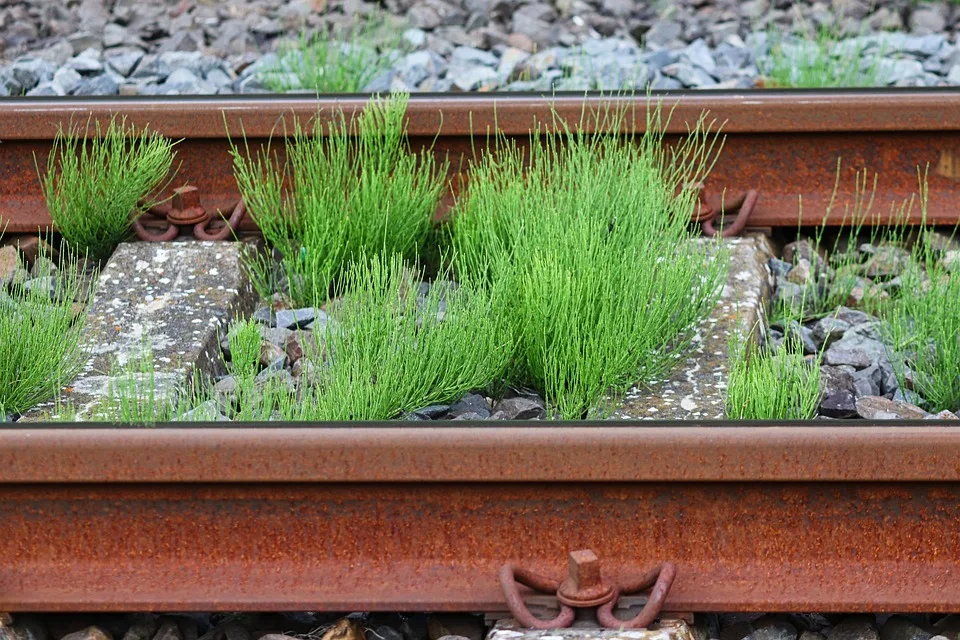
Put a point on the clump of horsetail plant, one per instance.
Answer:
(245, 342)
(40, 330)
(591, 238)
(923, 324)
(95, 186)
(137, 394)
(825, 60)
(832, 275)
(345, 60)
(765, 384)
(393, 349)
(354, 188)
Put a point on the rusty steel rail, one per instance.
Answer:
(783, 144)
(791, 517)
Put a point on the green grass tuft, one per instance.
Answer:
(95, 186)
(820, 63)
(351, 190)
(923, 325)
(590, 237)
(393, 353)
(345, 60)
(39, 338)
(782, 385)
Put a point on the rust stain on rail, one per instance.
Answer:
(573, 452)
(784, 144)
(789, 517)
(738, 546)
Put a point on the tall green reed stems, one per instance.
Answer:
(590, 235)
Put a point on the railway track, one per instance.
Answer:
(780, 143)
(375, 517)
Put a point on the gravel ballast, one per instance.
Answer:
(96, 47)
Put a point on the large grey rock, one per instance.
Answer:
(29, 72)
(46, 89)
(86, 62)
(900, 628)
(829, 329)
(856, 350)
(472, 403)
(839, 405)
(473, 56)
(774, 631)
(471, 78)
(519, 409)
(66, 80)
(880, 408)
(123, 61)
(854, 628)
(173, 298)
(102, 85)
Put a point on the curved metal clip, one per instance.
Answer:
(661, 579)
(203, 232)
(185, 210)
(707, 215)
(585, 588)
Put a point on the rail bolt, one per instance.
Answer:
(185, 207)
(585, 586)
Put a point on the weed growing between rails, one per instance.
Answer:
(778, 385)
(823, 61)
(591, 237)
(355, 189)
(40, 329)
(923, 324)
(391, 352)
(825, 274)
(345, 60)
(95, 186)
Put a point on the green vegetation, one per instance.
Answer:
(821, 61)
(778, 384)
(392, 352)
(95, 186)
(836, 269)
(40, 335)
(923, 325)
(345, 60)
(590, 235)
(134, 395)
(351, 190)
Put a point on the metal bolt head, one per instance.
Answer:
(185, 207)
(585, 569)
(186, 197)
(585, 587)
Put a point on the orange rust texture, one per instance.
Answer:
(785, 144)
(585, 452)
(428, 546)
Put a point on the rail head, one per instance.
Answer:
(757, 111)
(509, 452)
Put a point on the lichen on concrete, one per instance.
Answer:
(695, 390)
(170, 300)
